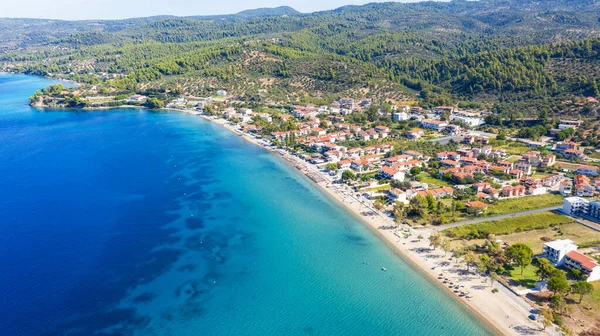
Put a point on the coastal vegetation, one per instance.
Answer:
(425, 53)
(510, 225)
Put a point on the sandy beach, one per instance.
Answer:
(504, 312)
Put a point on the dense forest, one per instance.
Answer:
(513, 55)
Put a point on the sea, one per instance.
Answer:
(137, 222)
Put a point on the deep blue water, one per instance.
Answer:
(132, 222)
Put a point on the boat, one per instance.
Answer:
(384, 269)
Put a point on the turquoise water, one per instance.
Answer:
(132, 222)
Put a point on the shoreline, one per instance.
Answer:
(495, 310)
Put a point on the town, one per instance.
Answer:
(433, 174)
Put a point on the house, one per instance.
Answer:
(587, 170)
(136, 99)
(415, 133)
(333, 155)
(391, 173)
(469, 139)
(516, 173)
(548, 161)
(400, 116)
(586, 265)
(359, 165)
(442, 109)
(480, 186)
(437, 125)
(449, 164)
(362, 135)
(344, 164)
(513, 191)
(415, 155)
(396, 195)
(372, 133)
(565, 188)
(524, 167)
(555, 251)
(575, 153)
(563, 146)
(476, 207)
(584, 190)
(437, 193)
(551, 181)
(383, 131)
(355, 153)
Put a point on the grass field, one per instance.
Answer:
(513, 158)
(431, 181)
(528, 278)
(580, 234)
(591, 301)
(540, 175)
(524, 203)
(538, 221)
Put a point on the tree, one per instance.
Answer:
(331, 166)
(501, 136)
(418, 206)
(414, 171)
(582, 288)
(484, 264)
(435, 240)
(558, 283)
(493, 277)
(520, 254)
(154, 103)
(558, 303)
(445, 246)
(547, 317)
(545, 269)
(470, 259)
(348, 175)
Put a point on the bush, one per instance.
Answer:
(557, 319)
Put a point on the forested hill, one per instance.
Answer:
(510, 53)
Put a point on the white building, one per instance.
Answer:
(575, 206)
(555, 251)
(400, 116)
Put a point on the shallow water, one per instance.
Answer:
(132, 222)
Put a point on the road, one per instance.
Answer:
(486, 219)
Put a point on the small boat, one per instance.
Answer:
(384, 269)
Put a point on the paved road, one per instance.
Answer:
(485, 219)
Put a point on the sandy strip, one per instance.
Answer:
(504, 312)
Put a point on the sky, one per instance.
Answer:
(119, 9)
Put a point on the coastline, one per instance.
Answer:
(500, 312)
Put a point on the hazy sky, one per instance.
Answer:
(118, 9)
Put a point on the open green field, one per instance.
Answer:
(513, 158)
(537, 221)
(592, 301)
(431, 181)
(378, 188)
(540, 175)
(528, 278)
(581, 235)
(524, 203)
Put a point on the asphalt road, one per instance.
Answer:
(486, 219)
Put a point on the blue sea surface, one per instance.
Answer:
(132, 222)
